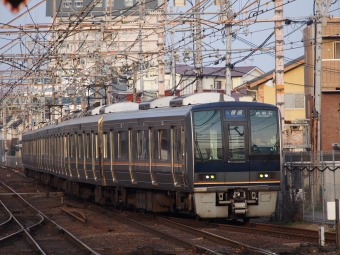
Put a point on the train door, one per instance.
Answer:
(176, 155)
(236, 153)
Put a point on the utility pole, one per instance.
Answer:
(4, 128)
(173, 59)
(321, 11)
(161, 51)
(279, 58)
(198, 54)
(141, 60)
(228, 17)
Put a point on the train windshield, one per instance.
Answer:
(264, 131)
(208, 135)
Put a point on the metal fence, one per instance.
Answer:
(310, 180)
(12, 161)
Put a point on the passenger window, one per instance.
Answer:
(88, 146)
(96, 154)
(65, 146)
(80, 146)
(142, 147)
(122, 145)
(105, 146)
(72, 145)
(111, 145)
(208, 135)
(162, 144)
(177, 144)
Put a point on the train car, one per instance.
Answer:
(204, 155)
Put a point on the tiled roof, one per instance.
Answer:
(269, 75)
(214, 71)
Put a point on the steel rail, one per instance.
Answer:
(10, 215)
(330, 237)
(153, 231)
(253, 230)
(60, 228)
(214, 237)
(28, 236)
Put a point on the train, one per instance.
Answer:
(204, 154)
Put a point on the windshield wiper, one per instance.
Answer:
(199, 151)
(271, 152)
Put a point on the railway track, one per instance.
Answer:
(310, 235)
(32, 231)
(156, 226)
(186, 236)
(304, 235)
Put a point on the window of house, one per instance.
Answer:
(67, 4)
(99, 4)
(218, 84)
(337, 50)
(128, 3)
(295, 101)
(78, 4)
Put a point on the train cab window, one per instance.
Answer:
(208, 135)
(236, 140)
(122, 145)
(264, 131)
(142, 147)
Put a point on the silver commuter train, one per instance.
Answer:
(214, 160)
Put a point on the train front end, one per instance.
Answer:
(237, 159)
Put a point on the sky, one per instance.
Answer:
(255, 33)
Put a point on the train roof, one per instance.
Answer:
(238, 104)
(163, 112)
(88, 119)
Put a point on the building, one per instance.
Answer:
(213, 79)
(296, 130)
(108, 44)
(329, 117)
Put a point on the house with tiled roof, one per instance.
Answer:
(296, 133)
(213, 79)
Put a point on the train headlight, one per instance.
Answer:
(207, 177)
(267, 176)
